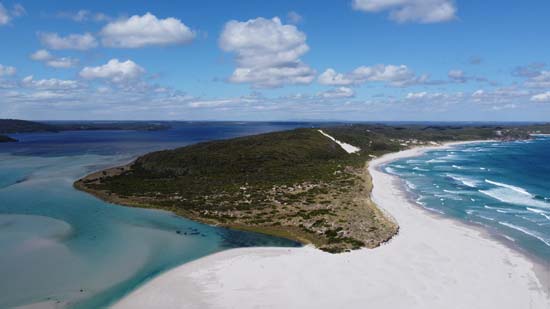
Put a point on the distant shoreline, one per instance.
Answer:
(426, 243)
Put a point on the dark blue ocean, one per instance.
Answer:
(502, 186)
(61, 245)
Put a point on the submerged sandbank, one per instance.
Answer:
(434, 262)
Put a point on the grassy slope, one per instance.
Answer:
(297, 184)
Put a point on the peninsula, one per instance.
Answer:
(308, 185)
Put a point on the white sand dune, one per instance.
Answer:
(432, 263)
(347, 147)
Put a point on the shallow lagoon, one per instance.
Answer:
(64, 246)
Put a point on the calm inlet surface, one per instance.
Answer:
(60, 245)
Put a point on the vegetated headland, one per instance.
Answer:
(10, 126)
(298, 184)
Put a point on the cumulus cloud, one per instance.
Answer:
(139, 31)
(402, 11)
(7, 70)
(541, 97)
(49, 84)
(48, 59)
(333, 78)
(72, 41)
(41, 55)
(7, 15)
(114, 70)
(267, 52)
(394, 75)
(338, 93)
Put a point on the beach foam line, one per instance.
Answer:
(347, 147)
(526, 231)
(504, 185)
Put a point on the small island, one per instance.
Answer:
(308, 185)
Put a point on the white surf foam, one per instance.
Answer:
(416, 168)
(464, 180)
(504, 185)
(511, 196)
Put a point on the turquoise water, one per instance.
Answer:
(504, 186)
(62, 245)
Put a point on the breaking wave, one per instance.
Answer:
(510, 196)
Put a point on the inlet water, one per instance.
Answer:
(60, 246)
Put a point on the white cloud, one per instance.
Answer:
(267, 52)
(331, 77)
(499, 96)
(62, 62)
(457, 76)
(84, 16)
(536, 74)
(50, 84)
(7, 70)
(41, 55)
(7, 15)
(541, 80)
(420, 11)
(424, 96)
(48, 59)
(73, 41)
(394, 75)
(139, 31)
(294, 18)
(541, 97)
(4, 15)
(114, 70)
(338, 93)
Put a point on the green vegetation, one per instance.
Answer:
(22, 126)
(296, 184)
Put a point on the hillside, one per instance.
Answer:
(298, 184)
(10, 126)
(24, 126)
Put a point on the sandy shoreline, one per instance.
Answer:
(433, 263)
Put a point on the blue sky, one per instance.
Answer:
(275, 60)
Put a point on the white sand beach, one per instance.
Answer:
(432, 263)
